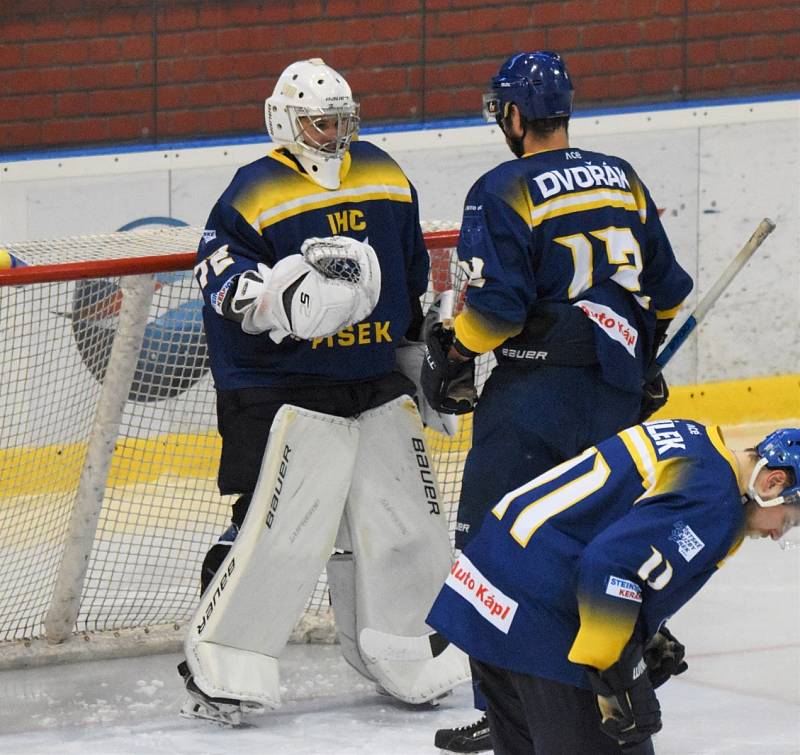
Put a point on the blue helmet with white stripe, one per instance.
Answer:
(536, 82)
(779, 450)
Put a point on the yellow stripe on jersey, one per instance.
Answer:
(657, 476)
(668, 314)
(479, 334)
(669, 476)
(602, 635)
(641, 450)
(580, 202)
(328, 199)
(283, 195)
(518, 197)
(638, 195)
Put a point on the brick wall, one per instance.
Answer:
(79, 72)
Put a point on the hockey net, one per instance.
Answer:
(112, 453)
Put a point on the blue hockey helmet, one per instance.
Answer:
(779, 450)
(536, 82)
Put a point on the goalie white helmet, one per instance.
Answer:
(313, 114)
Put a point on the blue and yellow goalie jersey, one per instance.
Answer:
(265, 214)
(606, 546)
(571, 226)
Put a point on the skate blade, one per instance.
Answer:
(227, 716)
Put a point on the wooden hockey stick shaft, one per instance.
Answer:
(765, 227)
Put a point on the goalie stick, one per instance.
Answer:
(765, 227)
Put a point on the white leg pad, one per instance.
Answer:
(402, 555)
(247, 613)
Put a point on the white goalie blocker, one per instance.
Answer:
(376, 472)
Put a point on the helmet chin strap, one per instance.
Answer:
(751, 487)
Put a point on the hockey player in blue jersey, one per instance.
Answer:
(560, 599)
(311, 268)
(572, 284)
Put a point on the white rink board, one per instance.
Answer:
(716, 170)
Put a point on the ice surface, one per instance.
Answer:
(741, 694)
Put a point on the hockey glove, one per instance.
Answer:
(448, 384)
(410, 358)
(654, 395)
(628, 705)
(655, 390)
(664, 657)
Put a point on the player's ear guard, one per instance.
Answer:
(628, 705)
(448, 384)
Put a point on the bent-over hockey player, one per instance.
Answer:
(561, 598)
(312, 266)
(572, 285)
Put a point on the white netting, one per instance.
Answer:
(161, 509)
(140, 242)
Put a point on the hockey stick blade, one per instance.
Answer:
(765, 227)
(380, 646)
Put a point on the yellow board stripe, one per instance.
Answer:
(135, 461)
(735, 402)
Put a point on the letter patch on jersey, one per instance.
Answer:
(491, 603)
(689, 545)
(613, 325)
(623, 588)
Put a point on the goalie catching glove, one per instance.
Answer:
(628, 705)
(334, 282)
(448, 383)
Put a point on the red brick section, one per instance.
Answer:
(83, 73)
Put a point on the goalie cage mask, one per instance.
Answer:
(307, 97)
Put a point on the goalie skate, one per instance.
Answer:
(220, 710)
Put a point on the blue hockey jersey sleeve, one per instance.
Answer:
(229, 247)
(649, 563)
(502, 285)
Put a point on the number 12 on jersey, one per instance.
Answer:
(621, 250)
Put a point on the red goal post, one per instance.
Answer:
(108, 444)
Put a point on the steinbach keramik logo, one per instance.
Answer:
(173, 356)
